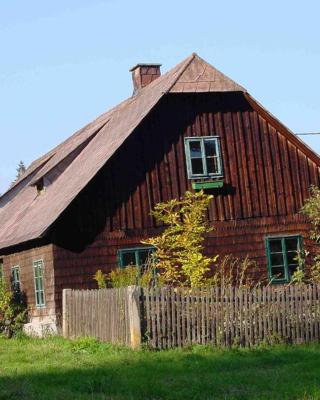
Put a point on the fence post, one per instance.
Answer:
(133, 298)
(65, 314)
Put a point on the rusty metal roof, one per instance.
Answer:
(25, 214)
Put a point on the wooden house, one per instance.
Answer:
(86, 204)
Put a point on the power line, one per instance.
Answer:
(307, 134)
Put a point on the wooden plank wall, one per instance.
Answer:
(25, 259)
(265, 174)
(231, 316)
(102, 313)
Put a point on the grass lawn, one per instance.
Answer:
(55, 368)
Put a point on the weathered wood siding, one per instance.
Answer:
(265, 175)
(24, 259)
(266, 182)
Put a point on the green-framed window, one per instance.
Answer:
(139, 256)
(15, 278)
(38, 270)
(203, 157)
(282, 255)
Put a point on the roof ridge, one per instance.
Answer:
(192, 57)
(47, 169)
(201, 76)
(218, 70)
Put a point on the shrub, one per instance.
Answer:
(13, 310)
(134, 275)
(122, 277)
(101, 279)
(232, 271)
(311, 209)
(179, 249)
(85, 344)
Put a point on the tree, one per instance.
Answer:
(179, 249)
(311, 209)
(21, 169)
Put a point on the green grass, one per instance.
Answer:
(55, 368)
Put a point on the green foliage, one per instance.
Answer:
(134, 275)
(232, 271)
(85, 344)
(179, 249)
(54, 368)
(122, 277)
(311, 209)
(21, 169)
(13, 310)
(299, 276)
(315, 270)
(101, 279)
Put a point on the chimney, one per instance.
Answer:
(143, 74)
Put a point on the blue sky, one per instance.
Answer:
(65, 62)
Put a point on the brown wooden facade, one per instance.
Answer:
(266, 181)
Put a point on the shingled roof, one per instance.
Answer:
(26, 215)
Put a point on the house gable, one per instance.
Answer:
(265, 176)
(29, 215)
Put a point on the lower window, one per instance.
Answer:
(139, 256)
(38, 283)
(15, 278)
(283, 255)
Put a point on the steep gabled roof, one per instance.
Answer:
(203, 77)
(25, 215)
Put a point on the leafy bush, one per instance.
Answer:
(13, 310)
(85, 344)
(311, 209)
(122, 277)
(232, 271)
(134, 275)
(179, 249)
(101, 279)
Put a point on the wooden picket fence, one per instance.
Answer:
(107, 314)
(170, 317)
(232, 316)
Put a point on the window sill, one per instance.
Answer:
(207, 185)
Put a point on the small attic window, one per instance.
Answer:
(203, 157)
(40, 186)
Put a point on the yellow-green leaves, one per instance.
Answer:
(101, 279)
(179, 249)
(311, 209)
